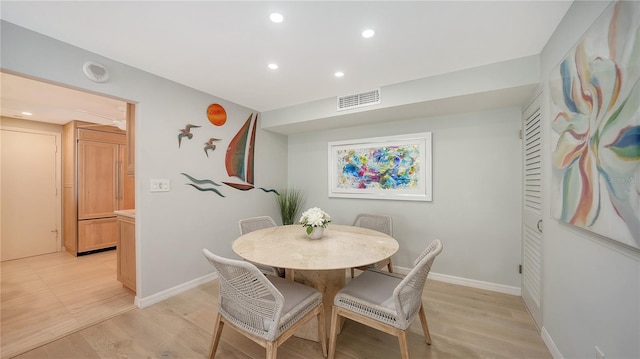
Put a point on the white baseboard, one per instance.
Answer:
(165, 294)
(494, 287)
(555, 352)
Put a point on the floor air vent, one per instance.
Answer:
(359, 100)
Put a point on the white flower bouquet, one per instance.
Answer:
(314, 217)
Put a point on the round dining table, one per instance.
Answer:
(319, 263)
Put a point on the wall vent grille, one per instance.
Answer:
(359, 100)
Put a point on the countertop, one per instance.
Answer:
(131, 213)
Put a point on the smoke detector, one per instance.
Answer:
(95, 72)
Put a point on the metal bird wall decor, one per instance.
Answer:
(209, 146)
(186, 132)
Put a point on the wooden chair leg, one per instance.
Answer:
(333, 337)
(404, 346)
(217, 331)
(272, 350)
(425, 327)
(322, 329)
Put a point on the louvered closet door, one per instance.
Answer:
(532, 211)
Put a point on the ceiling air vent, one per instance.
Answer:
(359, 100)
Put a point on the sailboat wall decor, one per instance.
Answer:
(239, 157)
(238, 162)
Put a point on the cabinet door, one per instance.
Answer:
(97, 234)
(127, 193)
(97, 179)
(127, 252)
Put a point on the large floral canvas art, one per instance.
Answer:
(394, 167)
(595, 107)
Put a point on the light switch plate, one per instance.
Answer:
(160, 185)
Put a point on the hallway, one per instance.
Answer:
(46, 297)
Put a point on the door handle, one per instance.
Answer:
(539, 225)
(118, 183)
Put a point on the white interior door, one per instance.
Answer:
(29, 194)
(532, 211)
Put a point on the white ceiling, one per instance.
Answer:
(223, 47)
(54, 104)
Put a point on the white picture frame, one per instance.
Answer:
(389, 168)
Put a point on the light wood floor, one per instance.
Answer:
(464, 323)
(46, 297)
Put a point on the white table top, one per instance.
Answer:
(340, 247)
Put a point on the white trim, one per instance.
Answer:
(546, 337)
(168, 293)
(494, 287)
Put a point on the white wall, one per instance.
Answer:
(171, 227)
(476, 207)
(591, 293)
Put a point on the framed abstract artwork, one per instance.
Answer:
(595, 122)
(393, 167)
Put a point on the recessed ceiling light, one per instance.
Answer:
(27, 113)
(339, 74)
(368, 33)
(276, 17)
(273, 66)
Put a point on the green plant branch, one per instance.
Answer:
(290, 201)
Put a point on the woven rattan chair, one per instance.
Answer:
(378, 223)
(266, 309)
(253, 224)
(385, 301)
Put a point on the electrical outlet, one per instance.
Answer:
(599, 353)
(159, 185)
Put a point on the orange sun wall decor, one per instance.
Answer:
(216, 114)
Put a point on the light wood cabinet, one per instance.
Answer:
(95, 184)
(97, 234)
(98, 179)
(126, 248)
(131, 137)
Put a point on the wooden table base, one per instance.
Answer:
(328, 282)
